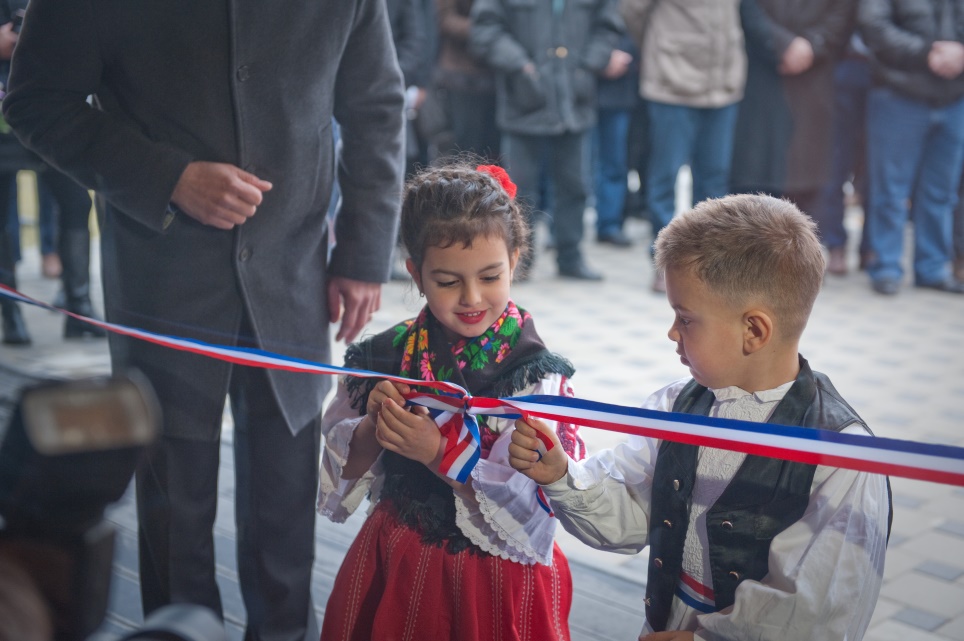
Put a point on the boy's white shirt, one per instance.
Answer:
(825, 570)
(500, 513)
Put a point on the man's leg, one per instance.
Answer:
(277, 482)
(672, 130)
(713, 152)
(935, 195)
(568, 175)
(176, 505)
(523, 160)
(611, 171)
(896, 130)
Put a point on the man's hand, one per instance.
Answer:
(671, 635)
(618, 64)
(8, 40)
(218, 194)
(413, 434)
(797, 58)
(525, 457)
(353, 302)
(946, 59)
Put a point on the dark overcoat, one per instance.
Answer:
(568, 42)
(245, 82)
(784, 130)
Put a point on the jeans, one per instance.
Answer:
(851, 85)
(702, 138)
(915, 152)
(610, 170)
(563, 158)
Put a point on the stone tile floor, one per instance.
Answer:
(899, 361)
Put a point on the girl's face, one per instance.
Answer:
(707, 331)
(467, 288)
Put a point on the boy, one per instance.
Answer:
(741, 546)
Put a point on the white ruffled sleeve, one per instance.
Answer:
(499, 510)
(338, 498)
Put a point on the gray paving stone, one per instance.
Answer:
(940, 570)
(920, 619)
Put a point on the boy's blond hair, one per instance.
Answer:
(750, 249)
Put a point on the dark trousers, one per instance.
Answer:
(472, 116)
(276, 484)
(852, 83)
(565, 163)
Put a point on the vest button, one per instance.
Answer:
(244, 255)
(734, 574)
(658, 562)
(667, 523)
(676, 484)
(727, 525)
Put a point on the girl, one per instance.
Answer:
(438, 559)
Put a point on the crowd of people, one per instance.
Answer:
(216, 166)
(793, 100)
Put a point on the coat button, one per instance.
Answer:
(734, 574)
(667, 523)
(726, 525)
(658, 562)
(245, 254)
(676, 484)
(561, 52)
(243, 73)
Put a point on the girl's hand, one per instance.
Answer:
(413, 434)
(384, 390)
(524, 452)
(671, 635)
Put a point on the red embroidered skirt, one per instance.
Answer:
(391, 586)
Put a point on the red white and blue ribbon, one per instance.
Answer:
(900, 458)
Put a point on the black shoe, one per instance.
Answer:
(886, 286)
(579, 271)
(950, 286)
(14, 329)
(616, 238)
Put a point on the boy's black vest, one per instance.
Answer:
(765, 497)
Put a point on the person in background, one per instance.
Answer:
(546, 56)
(215, 162)
(468, 84)
(915, 137)
(785, 124)
(617, 89)
(692, 74)
(851, 85)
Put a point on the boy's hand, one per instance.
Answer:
(413, 434)
(524, 452)
(671, 635)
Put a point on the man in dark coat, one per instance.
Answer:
(785, 122)
(546, 56)
(210, 139)
(915, 137)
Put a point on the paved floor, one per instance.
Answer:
(899, 361)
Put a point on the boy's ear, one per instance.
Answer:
(415, 274)
(757, 330)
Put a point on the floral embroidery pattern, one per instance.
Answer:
(493, 346)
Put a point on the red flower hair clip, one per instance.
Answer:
(500, 174)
